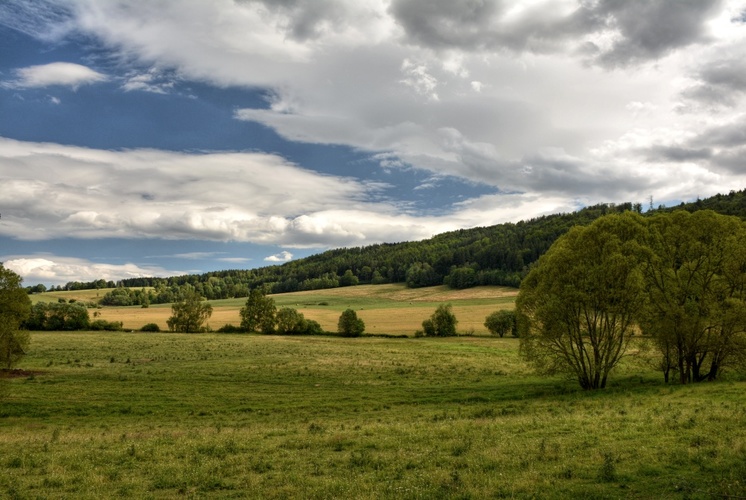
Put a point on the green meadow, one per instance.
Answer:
(99, 415)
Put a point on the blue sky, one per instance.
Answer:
(169, 137)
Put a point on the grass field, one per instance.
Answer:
(98, 415)
(390, 309)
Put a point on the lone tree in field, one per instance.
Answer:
(259, 313)
(190, 313)
(350, 325)
(576, 307)
(15, 308)
(502, 322)
(442, 323)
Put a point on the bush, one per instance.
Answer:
(230, 329)
(290, 321)
(150, 327)
(313, 327)
(109, 326)
(502, 322)
(442, 323)
(350, 325)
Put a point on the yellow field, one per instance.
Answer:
(391, 309)
(78, 295)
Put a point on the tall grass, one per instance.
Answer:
(167, 415)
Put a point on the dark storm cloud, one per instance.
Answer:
(721, 81)
(678, 154)
(729, 135)
(647, 30)
(305, 20)
(650, 30)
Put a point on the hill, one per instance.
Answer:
(494, 255)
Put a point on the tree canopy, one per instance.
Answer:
(695, 281)
(189, 313)
(349, 325)
(502, 322)
(442, 323)
(680, 277)
(15, 308)
(258, 314)
(577, 306)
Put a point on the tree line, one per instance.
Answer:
(494, 255)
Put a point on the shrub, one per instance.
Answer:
(442, 323)
(227, 328)
(109, 326)
(290, 321)
(350, 325)
(502, 322)
(150, 327)
(313, 327)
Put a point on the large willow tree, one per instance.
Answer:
(695, 276)
(577, 308)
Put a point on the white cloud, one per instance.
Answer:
(58, 73)
(151, 81)
(195, 255)
(55, 270)
(565, 103)
(283, 256)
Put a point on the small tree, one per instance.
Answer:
(501, 322)
(259, 312)
(442, 323)
(348, 279)
(289, 320)
(189, 313)
(350, 325)
(15, 308)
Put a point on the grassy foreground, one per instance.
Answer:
(97, 415)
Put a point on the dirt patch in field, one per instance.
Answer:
(18, 373)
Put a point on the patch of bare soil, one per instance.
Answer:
(18, 373)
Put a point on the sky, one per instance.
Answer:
(169, 137)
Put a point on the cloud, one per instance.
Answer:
(195, 255)
(58, 73)
(646, 31)
(47, 20)
(561, 103)
(613, 33)
(720, 81)
(55, 270)
(249, 197)
(283, 256)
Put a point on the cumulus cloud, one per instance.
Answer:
(58, 73)
(561, 102)
(283, 256)
(56, 270)
(614, 33)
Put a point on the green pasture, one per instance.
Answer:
(100, 415)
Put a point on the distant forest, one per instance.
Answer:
(494, 255)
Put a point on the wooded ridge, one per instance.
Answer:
(494, 255)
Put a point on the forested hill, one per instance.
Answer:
(494, 255)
